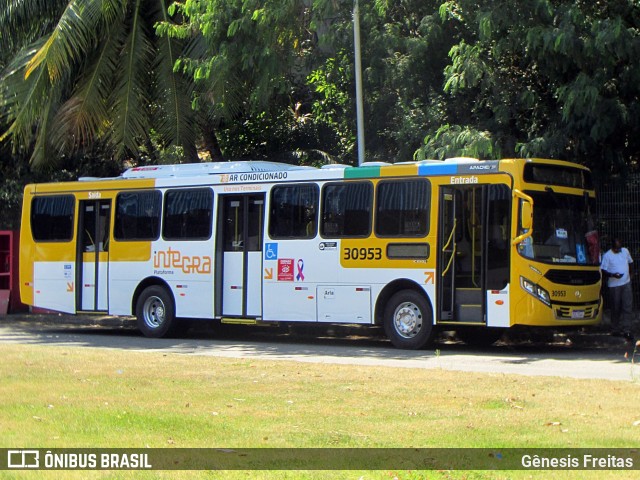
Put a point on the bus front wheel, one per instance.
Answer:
(155, 312)
(408, 320)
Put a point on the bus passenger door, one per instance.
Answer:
(240, 261)
(447, 249)
(462, 254)
(473, 260)
(92, 264)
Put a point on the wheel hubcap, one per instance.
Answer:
(407, 320)
(154, 313)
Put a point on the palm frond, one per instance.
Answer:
(71, 39)
(24, 21)
(21, 100)
(113, 11)
(173, 92)
(130, 98)
(82, 118)
(43, 153)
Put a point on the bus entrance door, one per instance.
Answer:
(461, 255)
(447, 249)
(473, 250)
(240, 260)
(93, 256)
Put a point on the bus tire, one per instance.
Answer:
(408, 320)
(155, 312)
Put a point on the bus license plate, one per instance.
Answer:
(577, 314)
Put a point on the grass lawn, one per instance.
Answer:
(59, 397)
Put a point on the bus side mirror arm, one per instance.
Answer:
(526, 216)
(521, 238)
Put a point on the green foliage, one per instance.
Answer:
(11, 186)
(331, 81)
(401, 66)
(333, 106)
(289, 136)
(253, 63)
(88, 72)
(509, 78)
(458, 141)
(266, 79)
(15, 174)
(467, 69)
(249, 52)
(404, 52)
(547, 78)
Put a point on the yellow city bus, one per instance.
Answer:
(460, 244)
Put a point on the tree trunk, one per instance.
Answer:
(211, 143)
(191, 153)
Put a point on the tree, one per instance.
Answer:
(556, 79)
(252, 62)
(273, 56)
(404, 49)
(548, 78)
(87, 72)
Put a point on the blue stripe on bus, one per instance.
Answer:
(436, 169)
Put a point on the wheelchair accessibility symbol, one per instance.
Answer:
(271, 251)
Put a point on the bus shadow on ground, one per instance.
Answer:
(324, 341)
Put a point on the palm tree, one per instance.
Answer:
(82, 72)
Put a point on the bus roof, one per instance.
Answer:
(208, 168)
(259, 171)
(216, 168)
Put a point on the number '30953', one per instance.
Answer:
(362, 253)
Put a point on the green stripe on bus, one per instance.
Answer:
(362, 172)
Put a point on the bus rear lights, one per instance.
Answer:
(535, 290)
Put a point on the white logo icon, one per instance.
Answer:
(23, 459)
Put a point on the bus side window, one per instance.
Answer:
(346, 210)
(52, 218)
(293, 211)
(138, 215)
(402, 208)
(187, 214)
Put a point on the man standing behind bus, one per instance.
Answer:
(616, 265)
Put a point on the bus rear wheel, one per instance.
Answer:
(155, 312)
(408, 320)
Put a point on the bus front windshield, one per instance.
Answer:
(563, 230)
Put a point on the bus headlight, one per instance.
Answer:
(535, 290)
(528, 285)
(543, 295)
